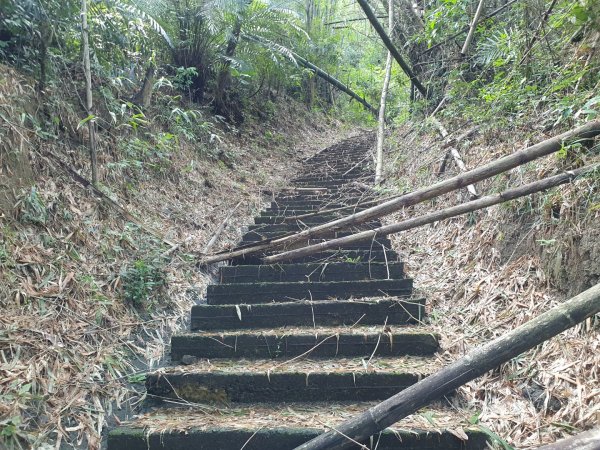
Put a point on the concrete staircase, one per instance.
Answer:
(280, 353)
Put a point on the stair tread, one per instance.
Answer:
(320, 331)
(312, 366)
(297, 415)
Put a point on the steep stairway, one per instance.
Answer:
(280, 353)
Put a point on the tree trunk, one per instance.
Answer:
(382, 105)
(588, 440)
(144, 96)
(489, 170)
(391, 48)
(91, 122)
(443, 214)
(478, 13)
(471, 366)
(222, 101)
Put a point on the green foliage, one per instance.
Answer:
(33, 208)
(142, 281)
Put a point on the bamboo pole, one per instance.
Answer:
(486, 171)
(382, 104)
(88, 91)
(588, 440)
(478, 13)
(467, 28)
(390, 46)
(443, 214)
(471, 366)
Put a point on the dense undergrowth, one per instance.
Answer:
(90, 295)
(91, 285)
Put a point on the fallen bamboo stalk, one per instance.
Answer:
(501, 165)
(471, 366)
(588, 440)
(452, 142)
(220, 229)
(446, 213)
(391, 48)
(455, 155)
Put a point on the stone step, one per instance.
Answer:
(225, 381)
(307, 313)
(311, 272)
(296, 226)
(328, 256)
(292, 211)
(268, 427)
(275, 219)
(322, 342)
(254, 236)
(253, 293)
(381, 243)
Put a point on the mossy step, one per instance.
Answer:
(268, 427)
(307, 313)
(225, 381)
(289, 342)
(331, 256)
(311, 272)
(253, 293)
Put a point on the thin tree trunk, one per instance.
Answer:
(486, 171)
(478, 13)
(588, 440)
(471, 366)
(391, 48)
(443, 214)
(88, 91)
(467, 28)
(382, 105)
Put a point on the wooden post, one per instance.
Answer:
(471, 366)
(391, 48)
(88, 91)
(447, 213)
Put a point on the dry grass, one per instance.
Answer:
(293, 415)
(491, 271)
(70, 346)
(403, 364)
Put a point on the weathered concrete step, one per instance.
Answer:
(329, 256)
(295, 226)
(225, 381)
(253, 293)
(253, 236)
(275, 220)
(322, 342)
(268, 427)
(381, 243)
(311, 272)
(307, 207)
(292, 211)
(353, 175)
(307, 313)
